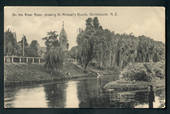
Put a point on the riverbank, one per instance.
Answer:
(24, 74)
(139, 76)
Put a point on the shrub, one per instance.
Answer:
(143, 71)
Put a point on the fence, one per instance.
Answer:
(18, 59)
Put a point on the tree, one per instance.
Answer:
(33, 50)
(74, 52)
(51, 39)
(23, 47)
(54, 53)
(86, 43)
(106, 50)
(10, 43)
(54, 59)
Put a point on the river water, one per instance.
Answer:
(82, 93)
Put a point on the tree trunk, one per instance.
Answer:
(85, 66)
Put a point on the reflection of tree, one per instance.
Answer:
(141, 97)
(113, 99)
(87, 93)
(88, 98)
(86, 89)
(117, 104)
(130, 99)
(160, 93)
(55, 95)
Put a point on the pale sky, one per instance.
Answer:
(148, 21)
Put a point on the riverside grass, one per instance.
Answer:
(36, 72)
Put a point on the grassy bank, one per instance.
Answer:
(36, 73)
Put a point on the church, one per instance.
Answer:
(63, 39)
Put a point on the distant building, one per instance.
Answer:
(63, 39)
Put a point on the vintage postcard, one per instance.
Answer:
(84, 57)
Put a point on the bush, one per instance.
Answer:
(159, 70)
(143, 71)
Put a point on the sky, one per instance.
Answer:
(35, 22)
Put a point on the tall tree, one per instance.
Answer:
(23, 47)
(51, 39)
(54, 53)
(10, 43)
(86, 43)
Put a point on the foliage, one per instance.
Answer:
(149, 50)
(51, 39)
(54, 53)
(23, 44)
(143, 71)
(33, 50)
(12, 47)
(136, 72)
(54, 59)
(74, 52)
(107, 49)
(86, 41)
(10, 43)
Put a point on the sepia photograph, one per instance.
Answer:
(84, 57)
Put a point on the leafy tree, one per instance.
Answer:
(86, 41)
(10, 43)
(144, 71)
(106, 49)
(33, 50)
(74, 52)
(54, 53)
(51, 39)
(54, 59)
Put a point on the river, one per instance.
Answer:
(78, 93)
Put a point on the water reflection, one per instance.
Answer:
(84, 93)
(72, 100)
(27, 98)
(55, 95)
(158, 103)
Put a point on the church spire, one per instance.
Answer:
(63, 38)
